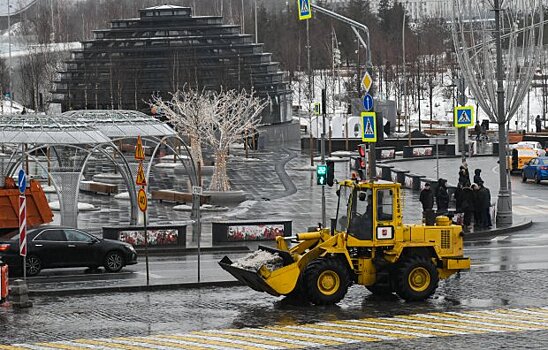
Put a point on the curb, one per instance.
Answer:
(133, 289)
(175, 251)
(522, 225)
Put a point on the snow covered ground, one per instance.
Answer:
(443, 103)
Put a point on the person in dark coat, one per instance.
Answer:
(477, 176)
(442, 197)
(464, 175)
(477, 130)
(427, 197)
(538, 123)
(476, 205)
(467, 207)
(458, 198)
(485, 205)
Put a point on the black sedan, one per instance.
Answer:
(53, 247)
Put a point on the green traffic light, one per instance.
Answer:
(321, 174)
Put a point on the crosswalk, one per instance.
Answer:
(329, 333)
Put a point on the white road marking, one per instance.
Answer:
(293, 330)
(499, 238)
(502, 317)
(243, 332)
(488, 324)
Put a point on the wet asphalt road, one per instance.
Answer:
(507, 272)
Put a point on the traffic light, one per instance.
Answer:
(361, 161)
(321, 174)
(330, 172)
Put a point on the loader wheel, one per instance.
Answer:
(326, 281)
(417, 278)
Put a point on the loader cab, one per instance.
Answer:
(372, 210)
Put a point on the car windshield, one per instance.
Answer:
(527, 152)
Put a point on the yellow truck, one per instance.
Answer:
(368, 244)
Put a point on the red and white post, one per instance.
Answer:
(23, 232)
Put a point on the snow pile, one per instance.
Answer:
(255, 260)
(55, 206)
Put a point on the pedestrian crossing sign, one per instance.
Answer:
(305, 12)
(369, 129)
(317, 107)
(464, 116)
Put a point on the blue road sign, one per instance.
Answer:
(367, 102)
(305, 12)
(22, 181)
(464, 116)
(369, 129)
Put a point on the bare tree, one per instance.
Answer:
(187, 111)
(232, 114)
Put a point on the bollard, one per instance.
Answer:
(19, 294)
(4, 286)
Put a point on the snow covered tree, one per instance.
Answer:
(186, 111)
(232, 113)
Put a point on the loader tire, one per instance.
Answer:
(417, 278)
(326, 281)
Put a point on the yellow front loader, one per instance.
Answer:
(368, 244)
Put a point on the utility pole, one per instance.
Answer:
(504, 203)
(9, 57)
(408, 117)
(310, 92)
(256, 28)
(419, 81)
(324, 112)
(461, 132)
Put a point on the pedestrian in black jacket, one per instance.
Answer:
(458, 198)
(427, 197)
(464, 176)
(477, 176)
(467, 207)
(484, 199)
(476, 201)
(442, 197)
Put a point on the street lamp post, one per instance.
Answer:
(9, 58)
(504, 203)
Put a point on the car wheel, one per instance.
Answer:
(114, 261)
(537, 178)
(34, 265)
(523, 177)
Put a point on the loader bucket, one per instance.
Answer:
(247, 277)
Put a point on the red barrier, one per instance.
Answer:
(4, 286)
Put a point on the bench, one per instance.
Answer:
(177, 197)
(98, 187)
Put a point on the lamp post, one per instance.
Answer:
(504, 202)
(256, 28)
(9, 58)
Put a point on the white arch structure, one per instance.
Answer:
(85, 133)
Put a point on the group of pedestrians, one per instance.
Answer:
(473, 199)
(481, 130)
